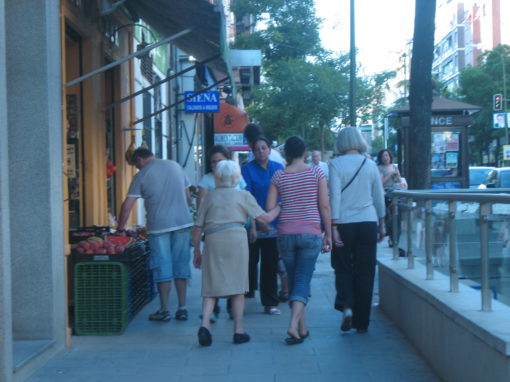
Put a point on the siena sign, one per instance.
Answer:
(207, 102)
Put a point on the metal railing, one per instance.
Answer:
(412, 209)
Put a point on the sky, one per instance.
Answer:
(383, 27)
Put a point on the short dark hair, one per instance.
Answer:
(252, 131)
(294, 148)
(260, 138)
(380, 154)
(141, 152)
(223, 150)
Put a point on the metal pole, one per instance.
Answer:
(129, 57)
(410, 256)
(352, 82)
(504, 96)
(452, 228)
(484, 257)
(395, 227)
(428, 240)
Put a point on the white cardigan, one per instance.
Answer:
(363, 200)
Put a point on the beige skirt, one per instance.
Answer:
(225, 263)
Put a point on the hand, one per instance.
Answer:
(337, 240)
(381, 232)
(252, 236)
(264, 227)
(197, 258)
(326, 244)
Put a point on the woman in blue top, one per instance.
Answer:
(257, 175)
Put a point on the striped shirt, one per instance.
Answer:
(299, 192)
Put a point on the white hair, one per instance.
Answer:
(227, 174)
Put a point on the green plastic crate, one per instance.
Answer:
(101, 298)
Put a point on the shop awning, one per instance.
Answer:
(207, 38)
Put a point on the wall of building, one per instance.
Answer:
(34, 200)
(6, 362)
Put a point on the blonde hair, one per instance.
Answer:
(350, 138)
(227, 174)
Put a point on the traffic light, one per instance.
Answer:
(497, 102)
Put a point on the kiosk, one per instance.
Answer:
(450, 123)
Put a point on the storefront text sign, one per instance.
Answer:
(207, 102)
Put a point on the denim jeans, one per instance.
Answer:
(299, 253)
(170, 255)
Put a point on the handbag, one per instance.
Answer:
(354, 176)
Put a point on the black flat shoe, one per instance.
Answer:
(293, 340)
(204, 337)
(306, 335)
(241, 338)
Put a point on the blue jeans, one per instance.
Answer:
(299, 253)
(170, 255)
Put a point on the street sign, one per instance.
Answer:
(500, 120)
(229, 140)
(506, 152)
(207, 102)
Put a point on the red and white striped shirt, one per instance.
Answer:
(299, 192)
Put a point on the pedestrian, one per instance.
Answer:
(164, 187)
(391, 180)
(357, 205)
(262, 237)
(316, 161)
(216, 154)
(305, 210)
(251, 132)
(224, 261)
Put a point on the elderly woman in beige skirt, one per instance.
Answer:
(224, 261)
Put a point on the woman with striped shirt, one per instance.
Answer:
(304, 211)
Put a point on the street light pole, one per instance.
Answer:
(352, 82)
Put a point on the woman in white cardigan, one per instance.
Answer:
(357, 215)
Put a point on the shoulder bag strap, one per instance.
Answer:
(355, 175)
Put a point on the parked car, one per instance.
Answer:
(497, 178)
(477, 175)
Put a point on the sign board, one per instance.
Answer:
(207, 102)
(443, 120)
(506, 152)
(230, 119)
(500, 120)
(234, 139)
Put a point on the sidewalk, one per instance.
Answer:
(170, 352)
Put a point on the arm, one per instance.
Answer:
(272, 197)
(335, 194)
(268, 217)
(188, 196)
(201, 194)
(125, 210)
(195, 242)
(378, 198)
(325, 212)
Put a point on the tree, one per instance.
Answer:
(477, 86)
(418, 155)
(305, 88)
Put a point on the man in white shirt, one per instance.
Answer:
(316, 161)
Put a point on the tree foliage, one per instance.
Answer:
(477, 86)
(304, 89)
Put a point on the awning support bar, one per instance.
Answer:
(129, 57)
(179, 102)
(127, 98)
